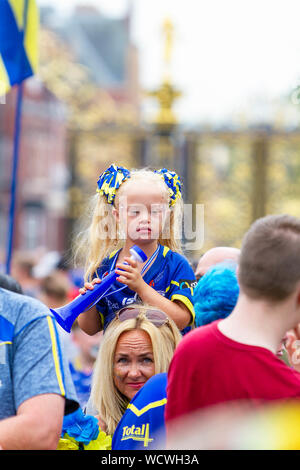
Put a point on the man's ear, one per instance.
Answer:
(237, 273)
(298, 296)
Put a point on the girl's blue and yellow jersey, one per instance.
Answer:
(142, 427)
(170, 274)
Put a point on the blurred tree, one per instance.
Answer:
(100, 129)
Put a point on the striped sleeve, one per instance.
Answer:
(56, 354)
(40, 364)
(181, 286)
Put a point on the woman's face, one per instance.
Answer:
(133, 362)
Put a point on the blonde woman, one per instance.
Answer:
(138, 344)
(144, 208)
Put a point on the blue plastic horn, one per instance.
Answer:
(67, 314)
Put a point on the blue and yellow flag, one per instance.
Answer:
(19, 23)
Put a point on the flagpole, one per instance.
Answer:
(16, 151)
(13, 191)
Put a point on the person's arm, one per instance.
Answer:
(176, 310)
(42, 387)
(90, 321)
(37, 425)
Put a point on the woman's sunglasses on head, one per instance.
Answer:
(157, 317)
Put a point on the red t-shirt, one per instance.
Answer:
(208, 368)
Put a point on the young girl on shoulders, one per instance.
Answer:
(139, 207)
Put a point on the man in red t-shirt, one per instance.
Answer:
(235, 359)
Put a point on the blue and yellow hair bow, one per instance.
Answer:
(172, 180)
(110, 180)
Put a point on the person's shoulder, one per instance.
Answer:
(13, 302)
(106, 263)
(151, 395)
(157, 380)
(170, 254)
(15, 307)
(175, 258)
(155, 387)
(197, 339)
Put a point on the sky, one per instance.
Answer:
(231, 59)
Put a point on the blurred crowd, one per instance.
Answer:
(50, 279)
(217, 291)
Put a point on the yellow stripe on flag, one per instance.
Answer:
(31, 38)
(18, 9)
(4, 80)
(32, 27)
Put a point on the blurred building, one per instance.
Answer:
(91, 63)
(84, 114)
(103, 46)
(41, 202)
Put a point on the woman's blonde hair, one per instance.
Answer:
(105, 397)
(102, 236)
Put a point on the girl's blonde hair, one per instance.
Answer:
(102, 236)
(105, 397)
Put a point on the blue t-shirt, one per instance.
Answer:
(142, 427)
(170, 274)
(31, 360)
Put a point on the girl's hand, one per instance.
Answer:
(130, 275)
(89, 285)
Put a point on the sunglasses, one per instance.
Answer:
(157, 317)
